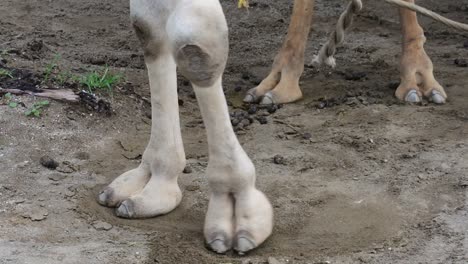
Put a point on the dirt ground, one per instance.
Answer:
(363, 179)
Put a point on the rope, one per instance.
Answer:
(345, 21)
(326, 53)
(430, 14)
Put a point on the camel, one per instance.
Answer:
(192, 36)
(282, 83)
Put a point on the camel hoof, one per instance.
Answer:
(268, 99)
(244, 245)
(250, 97)
(413, 97)
(437, 97)
(220, 244)
(125, 209)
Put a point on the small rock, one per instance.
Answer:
(463, 183)
(384, 35)
(272, 109)
(35, 45)
(280, 160)
(422, 177)
(82, 155)
(35, 213)
(461, 63)
(69, 193)
(235, 122)
(181, 102)
(65, 168)
(365, 259)
(23, 164)
(413, 149)
(363, 100)
(48, 162)
(447, 55)
(355, 76)
(57, 177)
(272, 260)
(187, 169)
(192, 188)
(20, 201)
(247, 261)
(263, 120)
(352, 101)
(307, 136)
(100, 225)
(240, 114)
(245, 122)
(322, 105)
(408, 156)
(348, 140)
(252, 110)
(444, 167)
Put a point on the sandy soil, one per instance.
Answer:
(366, 179)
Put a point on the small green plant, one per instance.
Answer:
(6, 73)
(62, 77)
(13, 104)
(93, 81)
(8, 100)
(36, 109)
(100, 80)
(50, 68)
(4, 53)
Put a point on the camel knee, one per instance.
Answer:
(200, 65)
(199, 42)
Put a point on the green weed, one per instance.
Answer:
(63, 77)
(6, 73)
(50, 68)
(103, 80)
(4, 53)
(8, 100)
(13, 104)
(36, 109)
(94, 81)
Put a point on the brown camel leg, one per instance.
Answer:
(282, 84)
(416, 69)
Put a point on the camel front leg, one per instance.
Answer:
(282, 84)
(152, 189)
(239, 216)
(416, 68)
